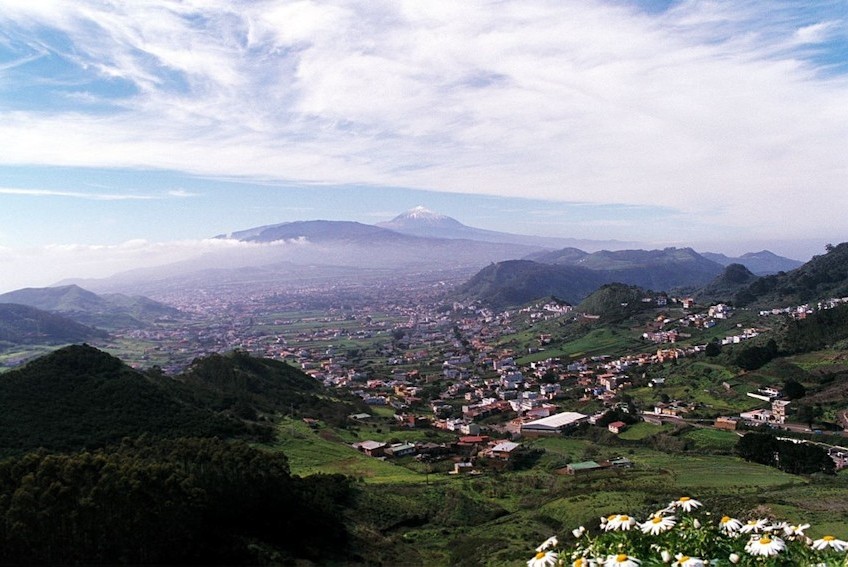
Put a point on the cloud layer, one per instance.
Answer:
(731, 111)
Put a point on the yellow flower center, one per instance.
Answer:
(725, 519)
(828, 538)
(765, 540)
(621, 558)
(685, 499)
(611, 518)
(683, 559)
(657, 520)
(625, 519)
(540, 555)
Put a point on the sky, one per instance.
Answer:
(133, 132)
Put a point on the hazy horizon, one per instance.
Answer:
(135, 133)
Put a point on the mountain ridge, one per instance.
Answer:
(420, 221)
(107, 311)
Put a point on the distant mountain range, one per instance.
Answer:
(420, 221)
(573, 275)
(108, 311)
(576, 275)
(760, 263)
(418, 241)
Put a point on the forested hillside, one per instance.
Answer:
(80, 397)
(181, 501)
(22, 324)
(822, 277)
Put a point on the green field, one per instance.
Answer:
(538, 496)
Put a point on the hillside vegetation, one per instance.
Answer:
(108, 311)
(22, 324)
(572, 276)
(80, 397)
(822, 277)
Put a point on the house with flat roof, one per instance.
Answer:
(553, 424)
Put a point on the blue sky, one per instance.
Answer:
(133, 132)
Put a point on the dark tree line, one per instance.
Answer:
(794, 458)
(817, 331)
(188, 500)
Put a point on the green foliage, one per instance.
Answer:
(81, 397)
(822, 277)
(240, 383)
(520, 281)
(754, 357)
(614, 302)
(793, 458)
(110, 311)
(727, 285)
(794, 390)
(818, 330)
(21, 324)
(177, 501)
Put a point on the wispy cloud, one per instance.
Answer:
(117, 196)
(716, 106)
(73, 194)
(182, 193)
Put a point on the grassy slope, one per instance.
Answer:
(538, 503)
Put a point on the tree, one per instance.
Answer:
(808, 413)
(758, 448)
(713, 349)
(794, 390)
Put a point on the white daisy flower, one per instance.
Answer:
(734, 558)
(765, 546)
(729, 525)
(686, 504)
(583, 562)
(543, 559)
(829, 541)
(657, 524)
(578, 532)
(795, 531)
(548, 543)
(619, 522)
(754, 526)
(686, 561)
(621, 560)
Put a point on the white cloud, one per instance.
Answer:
(72, 194)
(95, 196)
(705, 108)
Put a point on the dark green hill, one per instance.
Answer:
(614, 302)
(108, 311)
(724, 288)
(565, 256)
(22, 324)
(823, 277)
(520, 281)
(80, 397)
(249, 387)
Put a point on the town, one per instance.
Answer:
(492, 378)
